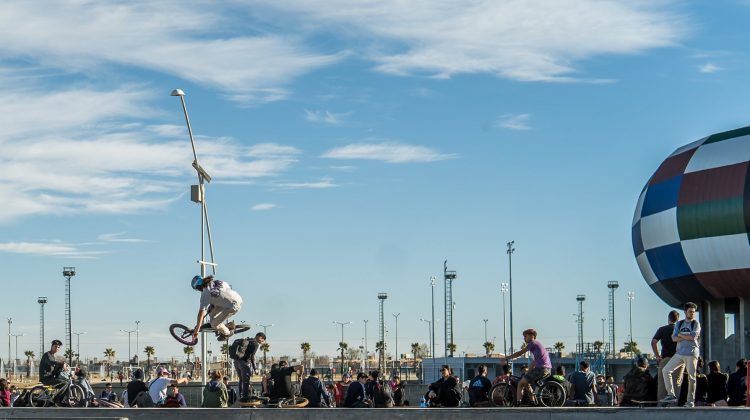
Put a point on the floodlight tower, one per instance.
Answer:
(612, 286)
(41, 300)
(198, 195)
(68, 272)
(448, 276)
(580, 299)
(381, 319)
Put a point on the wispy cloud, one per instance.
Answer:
(52, 249)
(63, 153)
(80, 36)
(321, 184)
(709, 68)
(514, 121)
(118, 237)
(325, 117)
(530, 41)
(264, 206)
(390, 152)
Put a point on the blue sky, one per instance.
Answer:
(354, 146)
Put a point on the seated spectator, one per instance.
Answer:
(717, 384)
(312, 388)
(107, 393)
(583, 385)
(4, 393)
(639, 385)
(134, 388)
(605, 395)
(215, 393)
(331, 390)
(379, 391)
(174, 398)
(701, 385)
(446, 391)
(479, 387)
(355, 393)
(82, 381)
(230, 391)
(341, 387)
(736, 385)
(399, 393)
(505, 376)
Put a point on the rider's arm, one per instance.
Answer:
(199, 321)
(518, 353)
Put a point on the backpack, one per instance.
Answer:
(239, 347)
(143, 400)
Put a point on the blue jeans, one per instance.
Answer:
(244, 372)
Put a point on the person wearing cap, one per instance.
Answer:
(541, 367)
(282, 380)
(638, 384)
(312, 388)
(218, 301)
(340, 390)
(133, 388)
(49, 368)
(157, 388)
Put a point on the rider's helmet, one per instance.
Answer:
(197, 282)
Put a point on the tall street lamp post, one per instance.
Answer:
(130, 332)
(504, 290)
(631, 296)
(78, 346)
(398, 359)
(510, 252)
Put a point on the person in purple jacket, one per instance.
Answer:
(539, 369)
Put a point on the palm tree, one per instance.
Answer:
(266, 348)
(631, 347)
(149, 350)
(342, 347)
(452, 347)
(188, 350)
(598, 346)
(559, 346)
(69, 354)
(225, 352)
(305, 347)
(110, 355)
(489, 347)
(415, 352)
(380, 348)
(29, 357)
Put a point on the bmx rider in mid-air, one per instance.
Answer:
(219, 301)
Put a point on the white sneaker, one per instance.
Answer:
(689, 405)
(668, 399)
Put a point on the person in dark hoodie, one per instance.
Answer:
(312, 389)
(639, 384)
(215, 393)
(445, 392)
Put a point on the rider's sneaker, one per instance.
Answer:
(668, 399)
(230, 325)
(689, 405)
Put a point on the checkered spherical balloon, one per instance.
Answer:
(691, 224)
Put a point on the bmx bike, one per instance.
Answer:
(184, 334)
(545, 391)
(66, 394)
(265, 402)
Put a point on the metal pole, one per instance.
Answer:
(342, 340)
(604, 335)
(398, 359)
(485, 330)
(10, 321)
(510, 251)
(504, 290)
(78, 346)
(129, 332)
(367, 357)
(631, 296)
(137, 344)
(15, 360)
(432, 324)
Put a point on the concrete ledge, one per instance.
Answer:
(376, 414)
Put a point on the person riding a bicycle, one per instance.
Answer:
(219, 301)
(50, 370)
(539, 369)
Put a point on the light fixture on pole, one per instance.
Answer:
(130, 332)
(198, 195)
(510, 251)
(580, 299)
(78, 346)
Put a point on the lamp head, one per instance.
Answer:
(177, 92)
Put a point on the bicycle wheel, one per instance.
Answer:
(295, 402)
(39, 397)
(183, 334)
(551, 394)
(76, 396)
(501, 395)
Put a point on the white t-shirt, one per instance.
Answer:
(221, 295)
(157, 388)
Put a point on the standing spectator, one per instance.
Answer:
(638, 384)
(668, 347)
(341, 387)
(355, 393)
(282, 380)
(479, 387)
(120, 376)
(215, 393)
(245, 365)
(605, 395)
(737, 385)
(108, 394)
(445, 392)
(312, 389)
(583, 385)
(174, 398)
(4, 393)
(686, 334)
(157, 388)
(230, 392)
(379, 391)
(717, 384)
